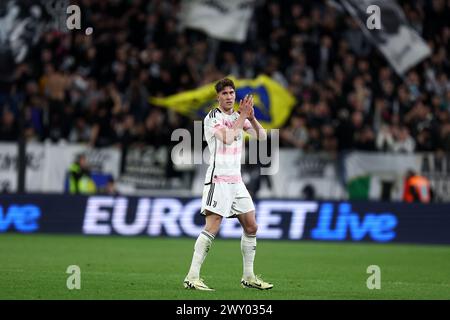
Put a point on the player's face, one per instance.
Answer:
(226, 98)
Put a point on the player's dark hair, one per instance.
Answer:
(225, 82)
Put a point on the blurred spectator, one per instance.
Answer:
(417, 188)
(385, 139)
(425, 141)
(445, 137)
(296, 135)
(348, 130)
(80, 132)
(80, 180)
(329, 141)
(110, 188)
(308, 193)
(403, 142)
(9, 130)
(365, 139)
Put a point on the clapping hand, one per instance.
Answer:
(246, 107)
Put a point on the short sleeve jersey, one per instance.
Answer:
(225, 159)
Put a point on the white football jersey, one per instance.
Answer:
(225, 159)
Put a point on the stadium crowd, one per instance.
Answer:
(94, 88)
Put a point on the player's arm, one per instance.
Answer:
(254, 128)
(227, 135)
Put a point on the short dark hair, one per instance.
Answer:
(225, 82)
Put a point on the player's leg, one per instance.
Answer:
(245, 210)
(213, 222)
(203, 243)
(201, 248)
(248, 249)
(248, 242)
(216, 204)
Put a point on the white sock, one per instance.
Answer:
(201, 249)
(248, 249)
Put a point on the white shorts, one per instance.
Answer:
(226, 199)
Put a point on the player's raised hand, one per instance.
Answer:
(252, 110)
(251, 116)
(242, 103)
(244, 106)
(250, 100)
(247, 104)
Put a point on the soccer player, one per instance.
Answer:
(224, 193)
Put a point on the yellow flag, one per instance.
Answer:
(272, 102)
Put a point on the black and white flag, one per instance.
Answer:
(396, 39)
(21, 24)
(225, 20)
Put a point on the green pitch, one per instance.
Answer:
(34, 267)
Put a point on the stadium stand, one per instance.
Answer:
(95, 89)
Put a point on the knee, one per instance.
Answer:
(251, 229)
(213, 229)
(213, 224)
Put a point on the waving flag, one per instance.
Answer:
(397, 40)
(273, 103)
(225, 20)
